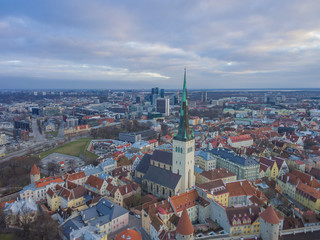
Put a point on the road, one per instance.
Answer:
(38, 137)
(38, 142)
(61, 130)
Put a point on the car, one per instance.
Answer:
(131, 213)
(138, 216)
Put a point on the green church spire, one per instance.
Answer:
(184, 131)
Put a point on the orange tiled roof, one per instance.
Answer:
(308, 191)
(185, 226)
(184, 200)
(270, 216)
(34, 170)
(48, 180)
(129, 234)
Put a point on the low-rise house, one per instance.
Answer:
(106, 215)
(108, 165)
(96, 184)
(64, 197)
(124, 192)
(243, 220)
(20, 212)
(218, 173)
(78, 178)
(270, 167)
(215, 190)
(308, 196)
(38, 190)
(240, 141)
(241, 193)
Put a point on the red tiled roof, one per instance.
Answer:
(240, 188)
(34, 170)
(95, 182)
(76, 176)
(185, 226)
(270, 216)
(217, 173)
(241, 138)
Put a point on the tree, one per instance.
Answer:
(53, 168)
(123, 161)
(164, 129)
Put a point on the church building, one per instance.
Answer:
(164, 174)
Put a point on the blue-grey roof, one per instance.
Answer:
(72, 224)
(93, 171)
(103, 212)
(205, 155)
(232, 157)
(162, 176)
(107, 162)
(162, 156)
(198, 169)
(144, 164)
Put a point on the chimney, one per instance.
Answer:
(250, 211)
(241, 183)
(288, 177)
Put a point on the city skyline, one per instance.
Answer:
(109, 45)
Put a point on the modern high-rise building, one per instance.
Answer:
(204, 96)
(162, 93)
(163, 106)
(154, 95)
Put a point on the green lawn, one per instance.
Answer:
(51, 135)
(74, 148)
(7, 236)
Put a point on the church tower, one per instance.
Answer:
(183, 146)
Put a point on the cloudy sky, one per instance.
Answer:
(142, 44)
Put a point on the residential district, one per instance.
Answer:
(161, 164)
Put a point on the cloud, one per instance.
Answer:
(223, 44)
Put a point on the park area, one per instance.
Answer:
(76, 148)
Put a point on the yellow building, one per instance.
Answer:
(53, 200)
(288, 184)
(243, 220)
(215, 190)
(64, 198)
(308, 196)
(270, 167)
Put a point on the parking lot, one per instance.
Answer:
(64, 162)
